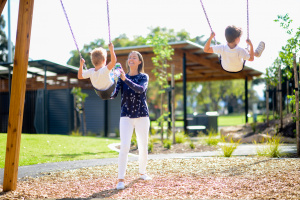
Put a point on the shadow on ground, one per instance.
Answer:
(106, 193)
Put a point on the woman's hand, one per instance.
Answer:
(122, 75)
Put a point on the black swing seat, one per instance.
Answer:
(220, 61)
(106, 94)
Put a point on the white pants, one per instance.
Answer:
(141, 126)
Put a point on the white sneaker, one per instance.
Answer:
(260, 49)
(145, 177)
(120, 186)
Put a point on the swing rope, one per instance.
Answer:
(247, 22)
(72, 31)
(207, 20)
(210, 24)
(108, 21)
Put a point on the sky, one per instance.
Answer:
(51, 38)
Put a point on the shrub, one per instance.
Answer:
(192, 145)
(150, 145)
(167, 144)
(229, 148)
(133, 139)
(272, 149)
(76, 133)
(180, 137)
(212, 140)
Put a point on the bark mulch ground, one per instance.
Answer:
(198, 178)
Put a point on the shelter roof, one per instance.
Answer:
(37, 67)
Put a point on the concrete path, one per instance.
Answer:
(42, 169)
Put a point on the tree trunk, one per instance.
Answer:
(173, 101)
(267, 103)
(297, 103)
(273, 103)
(161, 115)
(84, 120)
(75, 113)
(280, 99)
(287, 93)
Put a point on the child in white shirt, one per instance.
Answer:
(100, 74)
(232, 55)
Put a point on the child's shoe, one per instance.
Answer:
(145, 177)
(120, 186)
(260, 49)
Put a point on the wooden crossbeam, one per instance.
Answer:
(18, 88)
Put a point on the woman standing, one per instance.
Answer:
(134, 114)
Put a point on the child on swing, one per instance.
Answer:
(100, 74)
(232, 55)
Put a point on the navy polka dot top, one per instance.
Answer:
(133, 95)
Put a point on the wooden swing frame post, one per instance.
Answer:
(18, 88)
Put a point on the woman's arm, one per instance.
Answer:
(138, 88)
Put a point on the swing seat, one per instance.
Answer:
(106, 94)
(220, 61)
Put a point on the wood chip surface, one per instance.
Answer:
(197, 178)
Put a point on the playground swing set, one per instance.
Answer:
(18, 86)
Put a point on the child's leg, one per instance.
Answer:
(260, 48)
(126, 130)
(142, 126)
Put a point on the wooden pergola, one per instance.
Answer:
(189, 59)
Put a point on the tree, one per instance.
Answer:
(163, 53)
(79, 98)
(3, 42)
(288, 57)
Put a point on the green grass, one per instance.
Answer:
(232, 120)
(223, 120)
(42, 148)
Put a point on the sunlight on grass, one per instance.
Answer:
(42, 148)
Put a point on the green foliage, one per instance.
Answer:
(212, 140)
(76, 133)
(167, 144)
(192, 145)
(253, 126)
(3, 41)
(228, 149)
(79, 97)
(150, 145)
(291, 47)
(48, 148)
(133, 140)
(180, 137)
(272, 150)
(117, 131)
